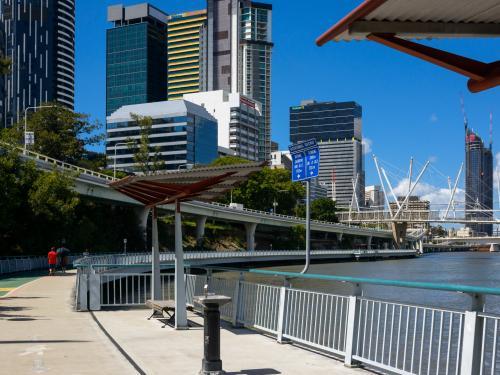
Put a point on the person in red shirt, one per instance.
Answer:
(52, 257)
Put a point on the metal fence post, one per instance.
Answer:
(236, 302)
(472, 338)
(353, 311)
(82, 304)
(281, 315)
(94, 291)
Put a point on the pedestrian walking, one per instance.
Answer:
(52, 257)
(62, 254)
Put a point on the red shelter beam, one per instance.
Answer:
(360, 11)
(482, 75)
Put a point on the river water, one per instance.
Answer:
(468, 268)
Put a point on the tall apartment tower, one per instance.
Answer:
(239, 47)
(478, 181)
(337, 129)
(187, 34)
(136, 56)
(39, 38)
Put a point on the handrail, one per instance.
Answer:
(60, 163)
(468, 289)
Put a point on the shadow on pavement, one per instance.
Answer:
(41, 341)
(257, 371)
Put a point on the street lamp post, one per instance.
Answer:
(26, 119)
(115, 146)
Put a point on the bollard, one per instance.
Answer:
(211, 363)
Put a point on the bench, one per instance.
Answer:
(164, 306)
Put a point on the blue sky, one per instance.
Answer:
(410, 108)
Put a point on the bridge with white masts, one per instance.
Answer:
(400, 213)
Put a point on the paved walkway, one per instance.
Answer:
(166, 351)
(40, 333)
(10, 282)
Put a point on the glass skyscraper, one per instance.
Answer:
(136, 56)
(39, 38)
(337, 129)
(181, 133)
(478, 182)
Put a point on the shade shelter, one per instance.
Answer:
(396, 23)
(202, 184)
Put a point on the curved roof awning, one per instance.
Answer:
(204, 184)
(395, 23)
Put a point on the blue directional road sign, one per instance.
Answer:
(305, 160)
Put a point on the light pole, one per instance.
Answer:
(275, 203)
(26, 119)
(115, 146)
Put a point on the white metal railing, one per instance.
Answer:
(101, 263)
(59, 163)
(25, 263)
(490, 356)
(287, 217)
(383, 335)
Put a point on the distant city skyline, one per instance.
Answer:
(404, 100)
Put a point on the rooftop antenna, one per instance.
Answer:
(462, 105)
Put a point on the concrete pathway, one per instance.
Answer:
(160, 350)
(40, 333)
(10, 282)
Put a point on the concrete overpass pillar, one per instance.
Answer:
(339, 237)
(369, 242)
(250, 230)
(421, 246)
(143, 215)
(399, 233)
(200, 228)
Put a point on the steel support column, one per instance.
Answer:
(155, 258)
(180, 288)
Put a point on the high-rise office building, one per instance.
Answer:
(239, 46)
(478, 181)
(187, 34)
(136, 56)
(39, 38)
(181, 133)
(337, 129)
(238, 118)
(374, 197)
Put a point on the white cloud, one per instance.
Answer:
(433, 118)
(434, 194)
(496, 170)
(367, 145)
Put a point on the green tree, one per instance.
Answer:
(5, 65)
(264, 188)
(324, 209)
(59, 133)
(229, 160)
(147, 158)
(51, 196)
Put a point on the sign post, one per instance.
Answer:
(29, 138)
(305, 165)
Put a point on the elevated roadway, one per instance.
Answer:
(95, 185)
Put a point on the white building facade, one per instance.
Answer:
(238, 118)
(182, 133)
